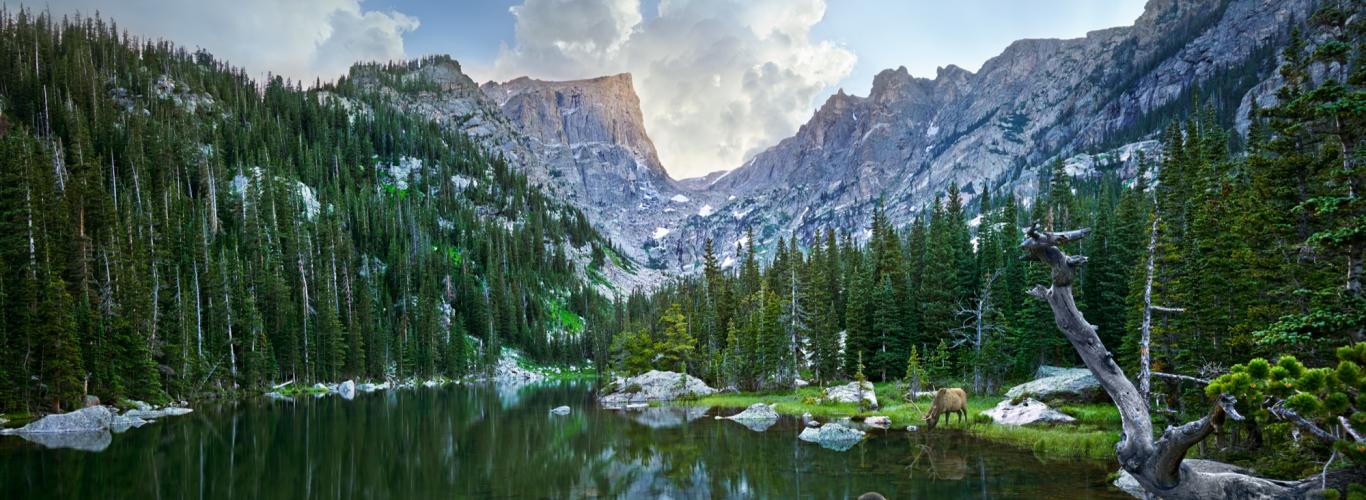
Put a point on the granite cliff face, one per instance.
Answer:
(911, 137)
(1094, 101)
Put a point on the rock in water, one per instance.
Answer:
(92, 419)
(1076, 385)
(758, 417)
(849, 393)
(879, 422)
(560, 410)
(347, 389)
(122, 423)
(656, 385)
(832, 436)
(1027, 412)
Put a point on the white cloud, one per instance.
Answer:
(719, 80)
(299, 39)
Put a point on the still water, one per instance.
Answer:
(487, 442)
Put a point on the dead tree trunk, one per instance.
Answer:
(1156, 465)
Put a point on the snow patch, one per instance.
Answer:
(705, 211)
(678, 198)
(932, 131)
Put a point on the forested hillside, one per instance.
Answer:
(1213, 256)
(170, 227)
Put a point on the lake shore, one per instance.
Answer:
(1093, 437)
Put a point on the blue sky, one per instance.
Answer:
(718, 80)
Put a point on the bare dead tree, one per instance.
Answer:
(977, 326)
(1157, 465)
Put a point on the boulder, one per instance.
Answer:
(832, 436)
(560, 410)
(1075, 385)
(912, 428)
(849, 393)
(140, 405)
(799, 383)
(91, 400)
(879, 422)
(730, 389)
(169, 411)
(347, 389)
(1027, 412)
(92, 419)
(656, 385)
(758, 417)
(1126, 482)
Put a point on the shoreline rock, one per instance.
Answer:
(89, 419)
(849, 393)
(1027, 412)
(655, 385)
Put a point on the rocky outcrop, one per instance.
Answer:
(655, 385)
(1027, 412)
(850, 393)
(1077, 99)
(91, 419)
(758, 417)
(832, 436)
(1075, 385)
(510, 371)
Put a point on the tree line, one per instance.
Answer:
(170, 227)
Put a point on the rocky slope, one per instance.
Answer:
(911, 137)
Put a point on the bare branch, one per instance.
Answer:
(1187, 378)
(1348, 427)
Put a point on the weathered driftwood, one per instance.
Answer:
(1155, 464)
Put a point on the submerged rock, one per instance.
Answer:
(758, 417)
(1027, 412)
(347, 389)
(560, 410)
(849, 393)
(1061, 384)
(832, 436)
(92, 419)
(656, 385)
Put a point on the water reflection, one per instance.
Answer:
(488, 442)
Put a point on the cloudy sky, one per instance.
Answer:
(719, 80)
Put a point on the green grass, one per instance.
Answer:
(1092, 437)
(567, 319)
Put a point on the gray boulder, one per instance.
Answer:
(140, 405)
(832, 436)
(1075, 385)
(347, 389)
(878, 422)
(758, 417)
(169, 411)
(91, 400)
(1128, 484)
(656, 385)
(849, 393)
(1027, 412)
(92, 419)
(560, 410)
